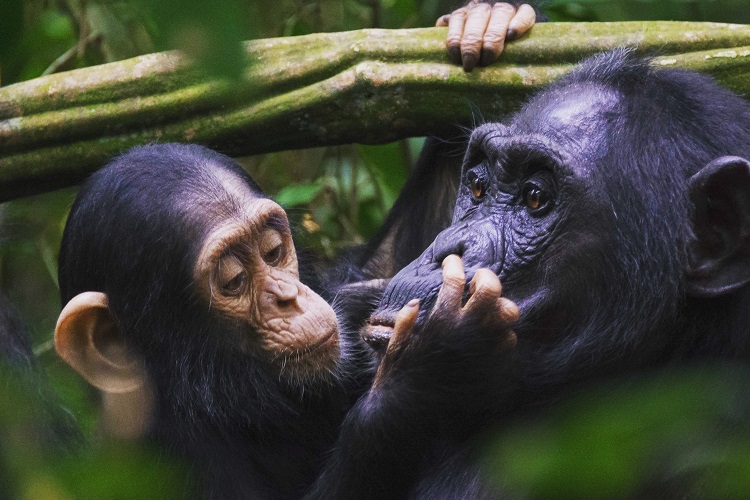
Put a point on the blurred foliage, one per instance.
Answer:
(721, 11)
(671, 435)
(337, 197)
(39, 459)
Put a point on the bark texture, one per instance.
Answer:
(368, 86)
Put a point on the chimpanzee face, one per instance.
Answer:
(247, 272)
(526, 207)
(196, 276)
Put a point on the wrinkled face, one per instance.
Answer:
(247, 272)
(529, 208)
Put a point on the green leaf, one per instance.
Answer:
(210, 34)
(674, 432)
(298, 194)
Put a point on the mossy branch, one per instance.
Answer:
(368, 86)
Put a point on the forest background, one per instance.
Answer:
(337, 197)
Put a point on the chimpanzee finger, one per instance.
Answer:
(477, 20)
(443, 21)
(485, 289)
(522, 22)
(494, 36)
(508, 311)
(456, 22)
(451, 292)
(404, 325)
(510, 341)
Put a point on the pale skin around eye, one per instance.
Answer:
(248, 273)
(477, 32)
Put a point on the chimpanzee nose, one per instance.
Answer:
(449, 242)
(283, 290)
(286, 294)
(477, 243)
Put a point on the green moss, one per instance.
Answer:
(365, 86)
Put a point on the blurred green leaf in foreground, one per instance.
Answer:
(679, 434)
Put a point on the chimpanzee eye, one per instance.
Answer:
(231, 275)
(272, 249)
(273, 257)
(535, 197)
(477, 185)
(234, 285)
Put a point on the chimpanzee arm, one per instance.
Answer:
(435, 383)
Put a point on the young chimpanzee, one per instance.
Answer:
(615, 209)
(180, 280)
(181, 283)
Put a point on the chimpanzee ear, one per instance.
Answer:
(88, 339)
(720, 252)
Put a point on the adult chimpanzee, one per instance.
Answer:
(180, 281)
(615, 209)
(52, 427)
(15, 345)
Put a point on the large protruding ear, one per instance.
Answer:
(88, 339)
(720, 252)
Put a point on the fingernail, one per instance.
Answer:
(442, 264)
(469, 61)
(413, 303)
(486, 58)
(454, 52)
(511, 34)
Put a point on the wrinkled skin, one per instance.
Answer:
(614, 210)
(513, 168)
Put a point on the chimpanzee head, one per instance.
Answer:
(176, 270)
(614, 215)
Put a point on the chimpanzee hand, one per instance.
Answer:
(446, 360)
(433, 384)
(477, 31)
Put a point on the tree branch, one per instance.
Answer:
(368, 86)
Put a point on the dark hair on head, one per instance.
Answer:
(127, 210)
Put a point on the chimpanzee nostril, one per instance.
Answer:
(283, 304)
(447, 243)
(475, 243)
(440, 256)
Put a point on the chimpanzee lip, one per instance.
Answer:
(378, 332)
(380, 321)
(321, 342)
(315, 346)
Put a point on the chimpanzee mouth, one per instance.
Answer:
(329, 338)
(323, 344)
(377, 333)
